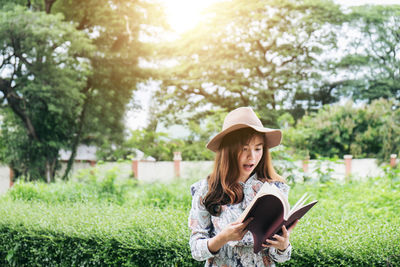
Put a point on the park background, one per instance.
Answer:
(79, 73)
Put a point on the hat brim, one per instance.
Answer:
(274, 136)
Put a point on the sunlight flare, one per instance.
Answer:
(183, 15)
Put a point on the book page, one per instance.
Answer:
(299, 202)
(299, 205)
(267, 189)
(299, 213)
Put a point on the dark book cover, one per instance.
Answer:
(268, 214)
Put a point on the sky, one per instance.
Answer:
(364, 2)
(183, 15)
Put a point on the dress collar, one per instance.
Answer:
(249, 180)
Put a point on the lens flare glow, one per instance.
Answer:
(184, 15)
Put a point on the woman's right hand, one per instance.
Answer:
(235, 231)
(232, 232)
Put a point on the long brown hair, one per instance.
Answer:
(223, 185)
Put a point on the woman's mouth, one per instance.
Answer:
(248, 167)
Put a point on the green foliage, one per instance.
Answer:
(393, 173)
(353, 224)
(114, 28)
(366, 131)
(284, 164)
(194, 146)
(262, 54)
(83, 222)
(88, 187)
(155, 144)
(41, 87)
(92, 234)
(111, 152)
(373, 68)
(162, 147)
(46, 54)
(325, 175)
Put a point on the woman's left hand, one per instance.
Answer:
(281, 242)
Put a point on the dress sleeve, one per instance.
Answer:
(278, 256)
(199, 223)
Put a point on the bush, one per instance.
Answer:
(354, 224)
(89, 234)
(367, 131)
(87, 187)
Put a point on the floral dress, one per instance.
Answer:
(235, 253)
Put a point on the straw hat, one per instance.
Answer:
(244, 117)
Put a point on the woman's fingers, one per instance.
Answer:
(246, 222)
(235, 223)
(271, 242)
(236, 230)
(242, 226)
(284, 232)
(280, 241)
(279, 238)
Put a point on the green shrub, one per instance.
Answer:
(89, 234)
(335, 130)
(354, 224)
(88, 186)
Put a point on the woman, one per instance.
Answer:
(242, 164)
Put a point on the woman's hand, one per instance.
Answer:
(281, 242)
(235, 231)
(232, 232)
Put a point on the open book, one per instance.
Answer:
(271, 210)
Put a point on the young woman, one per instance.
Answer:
(242, 164)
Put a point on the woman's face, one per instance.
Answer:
(249, 157)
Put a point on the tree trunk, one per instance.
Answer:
(48, 4)
(14, 102)
(50, 169)
(53, 169)
(48, 176)
(76, 140)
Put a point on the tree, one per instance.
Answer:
(117, 30)
(264, 54)
(368, 131)
(373, 55)
(41, 82)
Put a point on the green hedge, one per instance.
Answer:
(354, 224)
(39, 234)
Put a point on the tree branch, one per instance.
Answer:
(5, 61)
(77, 139)
(259, 71)
(17, 54)
(84, 22)
(264, 50)
(14, 102)
(48, 5)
